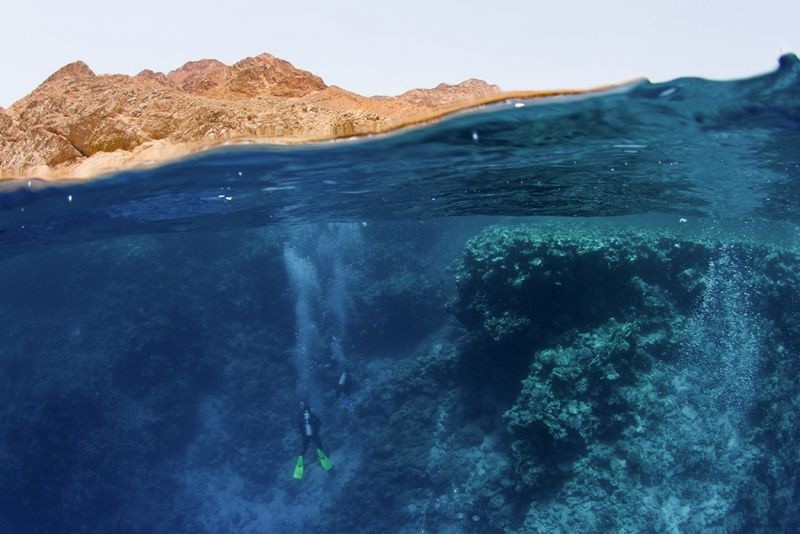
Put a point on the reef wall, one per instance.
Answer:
(657, 374)
(551, 376)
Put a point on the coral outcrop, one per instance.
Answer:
(647, 398)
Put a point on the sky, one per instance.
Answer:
(377, 47)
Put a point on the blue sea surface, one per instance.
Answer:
(576, 313)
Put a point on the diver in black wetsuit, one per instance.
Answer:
(309, 425)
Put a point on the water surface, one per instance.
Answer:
(574, 313)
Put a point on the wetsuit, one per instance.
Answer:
(309, 425)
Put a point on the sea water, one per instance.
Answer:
(567, 314)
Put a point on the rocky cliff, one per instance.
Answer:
(78, 124)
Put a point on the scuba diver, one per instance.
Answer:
(309, 425)
(343, 389)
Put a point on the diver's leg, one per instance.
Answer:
(305, 445)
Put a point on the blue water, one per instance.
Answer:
(161, 326)
(691, 147)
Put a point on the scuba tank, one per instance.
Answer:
(307, 424)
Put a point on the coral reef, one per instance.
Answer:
(590, 378)
(649, 410)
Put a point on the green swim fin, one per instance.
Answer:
(324, 460)
(298, 468)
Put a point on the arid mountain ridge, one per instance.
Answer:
(78, 124)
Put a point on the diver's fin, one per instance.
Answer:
(298, 468)
(324, 460)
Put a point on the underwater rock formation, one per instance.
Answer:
(648, 362)
(659, 407)
(523, 283)
(668, 404)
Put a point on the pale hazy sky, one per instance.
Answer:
(374, 47)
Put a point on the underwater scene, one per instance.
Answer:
(572, 314)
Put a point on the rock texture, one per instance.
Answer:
(655, 364)
(78, 124)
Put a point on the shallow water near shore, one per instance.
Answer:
(567, 314)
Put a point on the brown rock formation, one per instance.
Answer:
(197, 77)
(444, 94)
(76, 69)
(79, 124)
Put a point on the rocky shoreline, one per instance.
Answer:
(78, 124)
